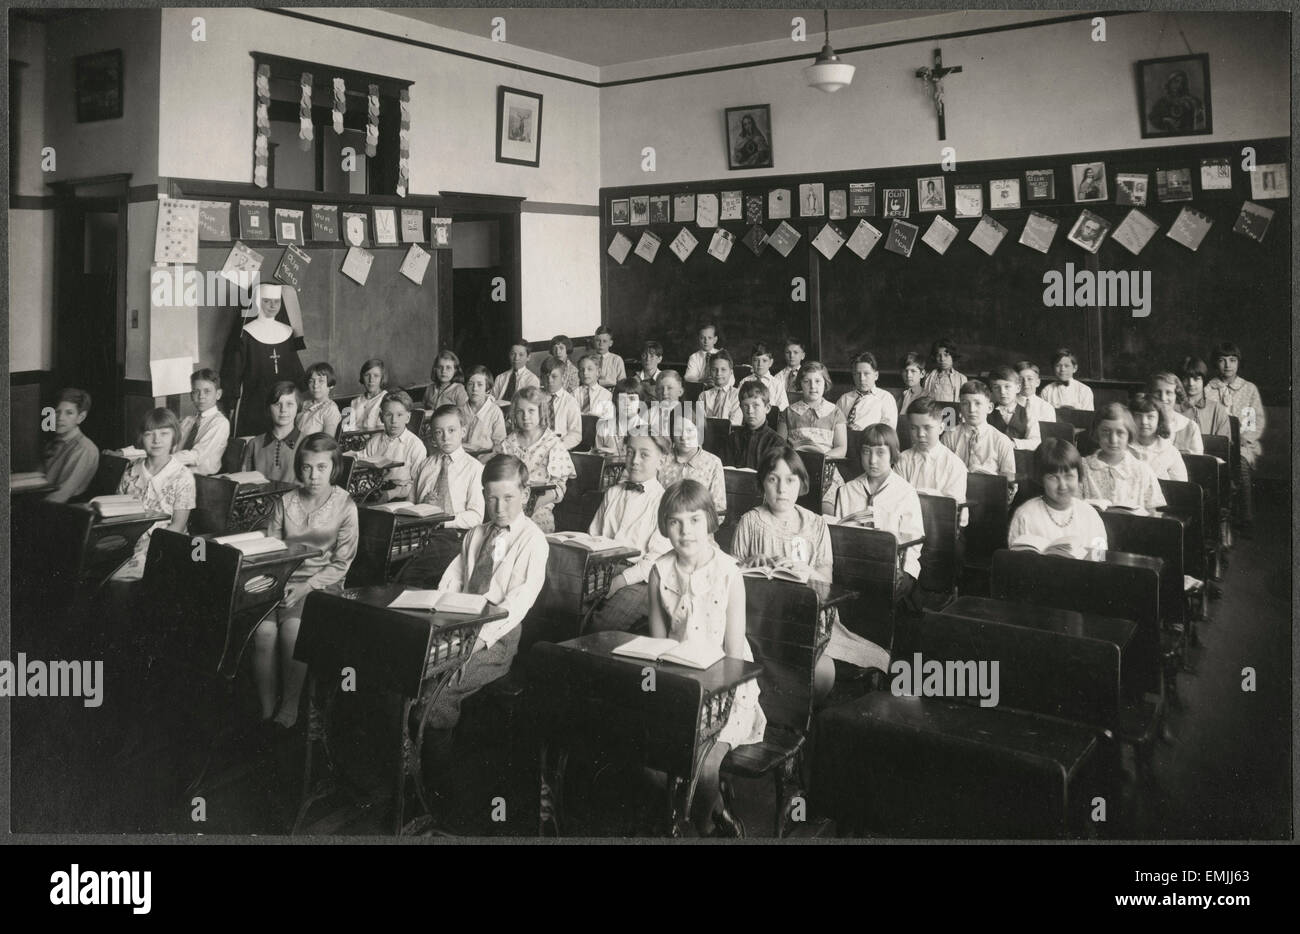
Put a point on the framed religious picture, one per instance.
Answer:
(1089, 181)
(519, 127)
(99, 86)
(1174, 96)
(618, 211)
(749, 137)
(931, 194)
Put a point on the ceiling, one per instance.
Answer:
(604, 37)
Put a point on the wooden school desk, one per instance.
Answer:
(577, 579)
(353, 442)
(788, 626)
(224, 507)
(408, 655)
(386, 540)
(592, 702)
(364, 478)
(1103, 642)
(198, 615)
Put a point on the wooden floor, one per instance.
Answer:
(1223, 770)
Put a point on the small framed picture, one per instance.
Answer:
(749, 137)
(660, 209)
(1174, 184)
(440, 231)
(683, 209)
(1040, 185)
(619, 212)
(1269, 181)
(99, 86)
(1174, 96)
(968, 200)
(1089, 231)
(640, 209)
(931, 195)
(1089, 181)
(898, 202)
(519, 126)
(730, 208)
(1004, 194)
(812, 199)
(385, 226)
(1131, 188)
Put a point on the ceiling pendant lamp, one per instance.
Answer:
(828, 73)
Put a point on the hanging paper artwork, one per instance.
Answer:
(262, 137)
(372, 121)
(305, 128)
(340, 104)
(404, 142)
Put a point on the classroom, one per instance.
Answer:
(891, 441)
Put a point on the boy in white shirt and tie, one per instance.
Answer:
(451, 479)
(204, 435)
(980, 446)
(629, 513)
(516, 378)
(504, 559)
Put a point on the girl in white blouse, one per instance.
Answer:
(1113, 476)
(1166, 391)
(1059, 513)
(1152, 443)
(364, 411)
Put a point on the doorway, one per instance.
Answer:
(90, 299)
(485, 315)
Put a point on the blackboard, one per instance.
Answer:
(750, 298)
(1232, 288)
(344, 323)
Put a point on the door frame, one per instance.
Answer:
(507, 211)
(71, 202)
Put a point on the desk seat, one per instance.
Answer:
(913, 766)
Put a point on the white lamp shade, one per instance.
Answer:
(829, 76)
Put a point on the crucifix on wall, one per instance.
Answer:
(933, 77)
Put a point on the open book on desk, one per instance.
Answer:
(783, 571)
(246, 477)
(252, 543)
(592, 543)
(444, 601)
(379, 462)
(27, 481)
(694, 653)
(117, 505)
(399, 508)
(1063, 547)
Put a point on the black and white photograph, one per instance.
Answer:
(1089, 231)
(547, 531)
(1174, 96)
(1089, 181)
(749, 137)
(931, 194)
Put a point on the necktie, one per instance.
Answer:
(553, 401)
(633, 487)
(970, 446)
(193, 436)
(853, 413)
(481, 578)
(510, 388)
(442, 489)
(586, 400)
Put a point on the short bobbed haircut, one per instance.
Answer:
(810, 367)
(1056, 455)
(319, 443)
(533, 396)
(1115, 412)
(687, 496)
(565, 340)
(279, 390)
(319, 369)
(370, 365)
(787, 455)
(158, 419)
(1144, 404)
(878, 434)
(457, 375)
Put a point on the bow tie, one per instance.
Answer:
(632, 487)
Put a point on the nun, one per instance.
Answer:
(260, 354)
